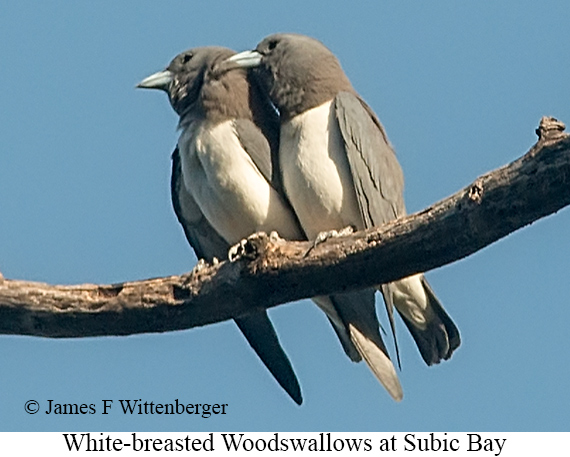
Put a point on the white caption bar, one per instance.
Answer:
(471, 444)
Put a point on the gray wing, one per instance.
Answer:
(266, 118)
(260, 136)
(256, 145)
(264, 152)
(375, 169)
(379, 185)
(205, 241)
(207, 244)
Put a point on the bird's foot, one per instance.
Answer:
(201, 265)
(274, 237)
(324, 236)
(249, 247)
(204, 265)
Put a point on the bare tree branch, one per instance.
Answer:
(270, 271)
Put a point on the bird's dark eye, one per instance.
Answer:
(271, 45)
(186, 58)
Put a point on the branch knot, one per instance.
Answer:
(475, 193)
(550, 128)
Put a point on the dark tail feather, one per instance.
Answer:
(328, 305)
(260, 334)
(440, 338)
(358, 312)
(390, 311)
(347, 344)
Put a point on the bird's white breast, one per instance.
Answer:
(316, 172)
(229, 189)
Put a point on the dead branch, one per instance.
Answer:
(270, 271)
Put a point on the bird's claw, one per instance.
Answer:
(326, 235)
(201, 265)
(249, 247)
(274, 237)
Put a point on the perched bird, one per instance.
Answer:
(225, 181)
(339, 169)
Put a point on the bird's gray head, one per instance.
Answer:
(298, 72)
(197, 81)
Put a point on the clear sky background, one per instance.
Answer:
(84, 197)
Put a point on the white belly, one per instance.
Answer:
(227, 186)
(316, 173)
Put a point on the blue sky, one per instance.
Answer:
(84, 197)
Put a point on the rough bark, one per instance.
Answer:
(268, 271)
